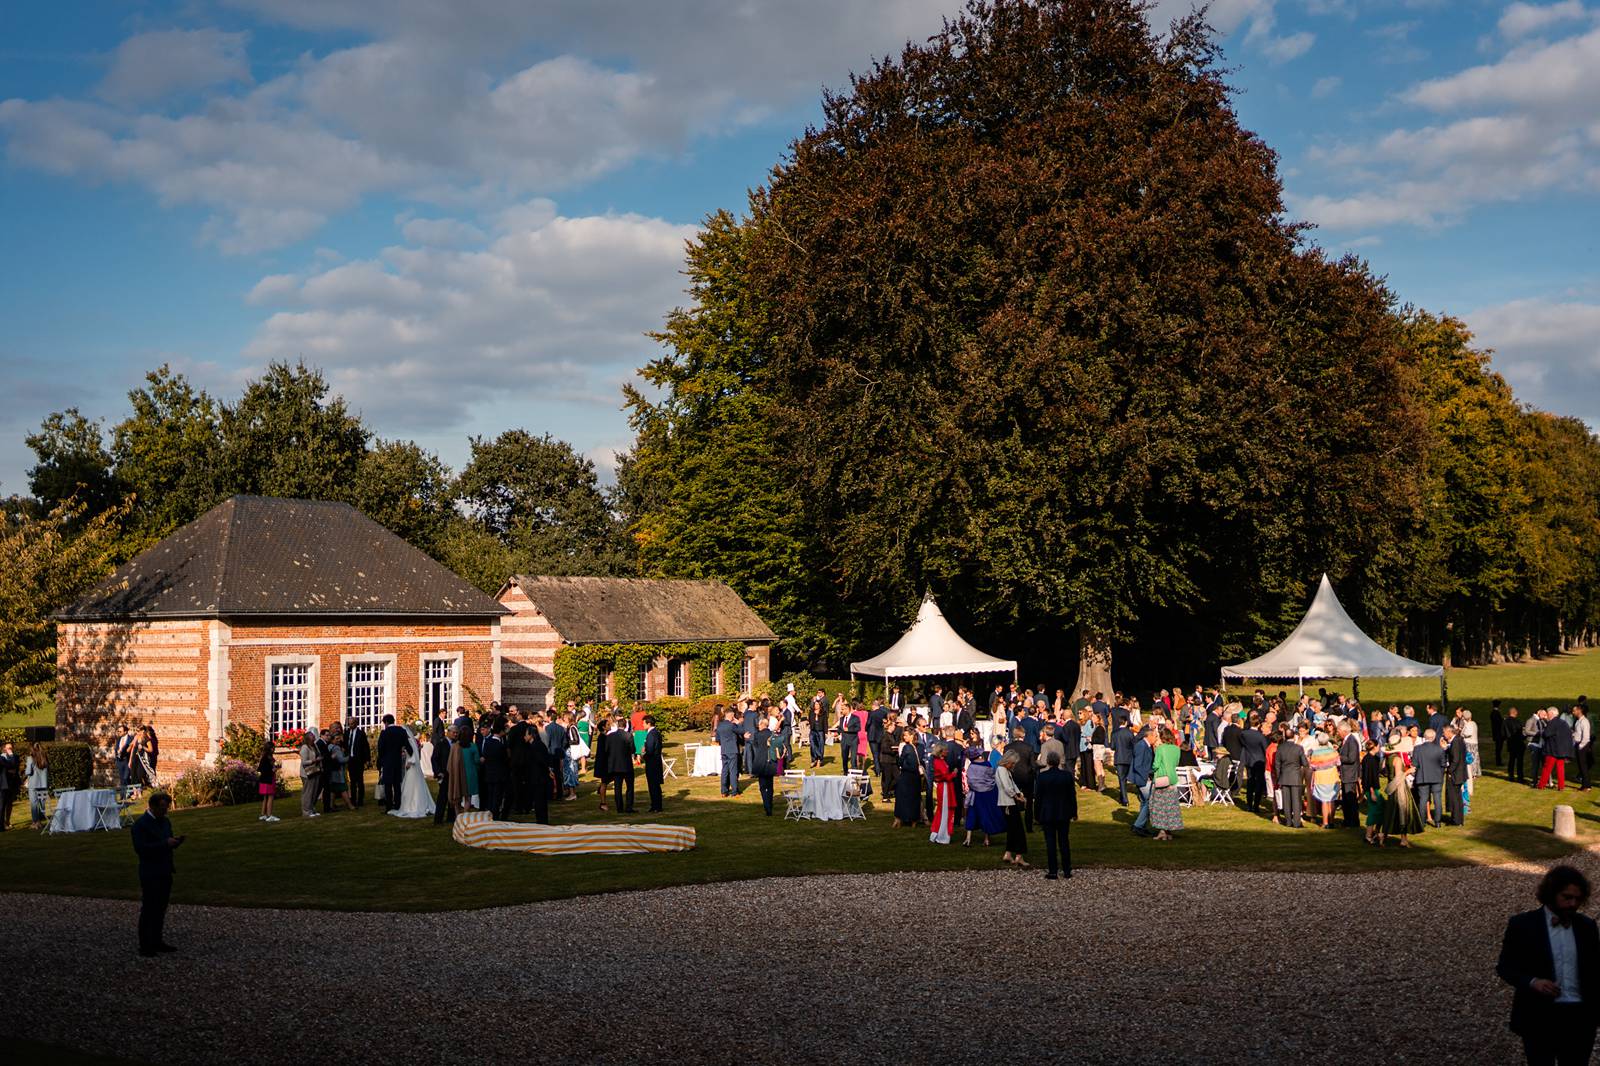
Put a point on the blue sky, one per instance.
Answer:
(468, 214)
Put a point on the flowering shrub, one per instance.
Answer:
(230, 782)
(290, 738)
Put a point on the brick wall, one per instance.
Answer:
(403, 644)
(528, 646)
(146, 673)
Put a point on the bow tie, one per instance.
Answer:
(1560, 922)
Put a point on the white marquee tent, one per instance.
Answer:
(1325, 644)
(930, 648)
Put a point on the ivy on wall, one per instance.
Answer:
(579, 668)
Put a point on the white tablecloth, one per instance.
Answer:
(822, 797)
(985, 729)
(706, 761)
(75, 811)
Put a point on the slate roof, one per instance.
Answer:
(623, 610)
(256, 555)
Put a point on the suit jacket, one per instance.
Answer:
(619, 754)
(441, 748)
(1047, 747)
(1525, 957)
(1233, 740)
(1030, 731)
(964, 721)
(1055, 797)
(652, 751)
(1427, 760)
(1071, 737)
(1122, 746)
(360, 750)
(1144, 761)
(875, 719)
(1350, 762)
(555, 740)
(727, 737)
(122, 751)
(494, 764)
(1437, 722)
(1456, 762)
(1557, 739)
(764, 760)
(392, 748)
(150, 841)
(1291, 765)
(1252, 747)
(517, 745)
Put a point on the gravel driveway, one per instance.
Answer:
(1112, 966)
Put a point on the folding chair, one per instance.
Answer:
(855, 786)
(669, 767)
(109, 818)
(792, 792)
(1221, 796)
(1185, 787)
(689, 758)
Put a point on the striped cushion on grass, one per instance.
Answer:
(477, 830)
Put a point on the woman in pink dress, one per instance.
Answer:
(863, 742)
(944, 796)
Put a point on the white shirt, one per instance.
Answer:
(1582, 731)
(1564, 949)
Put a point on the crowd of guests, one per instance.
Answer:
(1542, 745)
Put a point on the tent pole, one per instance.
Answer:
(1355, 689)
(1300, 682)
(1444, 696)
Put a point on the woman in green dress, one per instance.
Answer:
(1400, 815)
(1166, 814)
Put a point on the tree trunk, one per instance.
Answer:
(1094, 665)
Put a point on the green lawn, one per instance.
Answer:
(367, 861)
(42, 712)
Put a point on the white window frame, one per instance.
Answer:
(313, 665)
(747, 670)
(457, 662)
(345, 662)
(716, 678)
(677, 677)
(641, 691)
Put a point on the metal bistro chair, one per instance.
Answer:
(1187, 777)
(792, 791)
(855, 789)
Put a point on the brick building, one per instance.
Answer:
(279, 614)
(549, 612)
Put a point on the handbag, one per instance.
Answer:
(1163, 782)
(378, 793)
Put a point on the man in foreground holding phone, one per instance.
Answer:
(154, 841)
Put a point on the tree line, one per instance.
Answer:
(1021, 321)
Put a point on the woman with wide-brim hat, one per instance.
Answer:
(1400, 815)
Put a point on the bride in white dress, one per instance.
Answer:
(415, 800)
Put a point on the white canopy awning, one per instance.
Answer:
(930, 648)
(1327, 643)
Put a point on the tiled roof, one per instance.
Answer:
(620, 610)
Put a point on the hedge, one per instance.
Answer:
(71, 764)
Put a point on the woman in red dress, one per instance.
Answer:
(944, 796)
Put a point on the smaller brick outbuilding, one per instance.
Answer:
(549, 612)
(279, 614)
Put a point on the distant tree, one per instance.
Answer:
(286, 437)
(407, 489)
(706, 492)
(167, 452)
(72, 464)
(542, 500)
(49, 562)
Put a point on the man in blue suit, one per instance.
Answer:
(1428, 761)
(1122, 744)
(1144, 758)
(154, 841)
(1031, 725)
(728, 745)
(749, 730)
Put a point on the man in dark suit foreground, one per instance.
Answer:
(1551, 958)
(392, 748)
(654, 768)
(1290, 769)
(154, 842)
(1056, 800)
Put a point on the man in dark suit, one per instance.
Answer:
(619, 765)
(554, 735)
(440, 762)
(494, 770)
(965, 722)
(1070, 733)
(1551, 958)
(1436, 720)
(542, 768)
(1056, 799)
(1122, 758)
(654, 769)
(727, 734)
(1428, 764)
(747, 735)
(1290, 770)
(392, 748)
(1139, 771)
(519, 795)
(122, 755)
(1213, 728)
(1022, 773)
(325, 760)
(1350, 773)
(154, 842)
(1253, 756)
(1516, 746)
(1032, 726)
(875, 719)
(1232, 738)
(1455, 775)
(360, 755)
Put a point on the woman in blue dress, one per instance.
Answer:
(983, 803)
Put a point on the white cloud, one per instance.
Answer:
(419, 335)
(151, 66)
(1524, 130)
(1549, 349)
(1523, 20)
(1325, 87)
